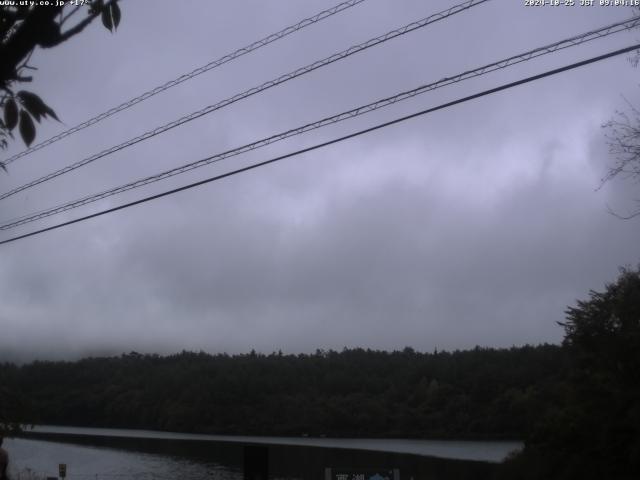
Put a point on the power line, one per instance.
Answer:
(331, 142)
(188, 76)
(252, 91)
(361, 110)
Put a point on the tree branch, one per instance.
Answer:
(27, 36)
(69, 15)
(77, 29)
(623, 217)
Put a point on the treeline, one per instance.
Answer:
(577, 405)
(480, 393)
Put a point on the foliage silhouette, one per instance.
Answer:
(23, 28)
(593, 432)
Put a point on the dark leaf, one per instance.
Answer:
(96, 7)
(36, 107)
(4, 167)
(115, 14)
(51, 113)
(32, 103)
(27, 128)
(11, 114)
(106, 19)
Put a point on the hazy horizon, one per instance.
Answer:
(54, 356)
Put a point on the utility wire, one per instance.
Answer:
(188, 76)
(252, 91)
(331, 142)
(361, 110)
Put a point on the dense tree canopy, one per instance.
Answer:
(595, 431)
(476, 393)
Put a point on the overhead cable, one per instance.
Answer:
(188, 76)
(361, 110)
(252, 91)
(330, 142)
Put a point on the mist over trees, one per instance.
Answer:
(577, 405)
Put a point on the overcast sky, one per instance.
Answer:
(475, 225)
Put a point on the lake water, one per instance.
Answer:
(109, 454)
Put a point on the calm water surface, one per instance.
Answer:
(107, 463)
(103, 454)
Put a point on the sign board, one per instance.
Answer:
(62, 470)
(361, 474)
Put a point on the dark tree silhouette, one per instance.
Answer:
(594, 432)
(482, 393)
(22, 30)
